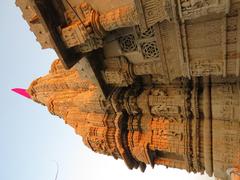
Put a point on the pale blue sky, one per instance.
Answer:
(31, 138)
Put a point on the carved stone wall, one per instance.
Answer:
(183, 125)
(163, 90)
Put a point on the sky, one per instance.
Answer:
(32, 140)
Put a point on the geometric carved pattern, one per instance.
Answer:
(128, 43)
(150, 50)
(146, 34)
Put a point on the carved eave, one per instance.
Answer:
(51, 15)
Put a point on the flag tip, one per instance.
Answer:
(22, 92)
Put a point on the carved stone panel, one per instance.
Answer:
(198, 8)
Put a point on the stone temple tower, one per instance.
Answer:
(147, 81)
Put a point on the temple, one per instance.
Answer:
(151, 82)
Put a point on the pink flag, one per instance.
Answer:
(22, 92)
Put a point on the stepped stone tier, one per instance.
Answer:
(147, 81)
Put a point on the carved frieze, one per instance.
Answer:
(191, 9)
(205, 68)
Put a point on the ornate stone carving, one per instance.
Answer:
(145, 34)
(128, 43)
(87, 27)
(150, 50)
(150, 125)
(198, 8)
(118, 72)
(83, 28)
(200, 68)
(163, 90)
(153, 11)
